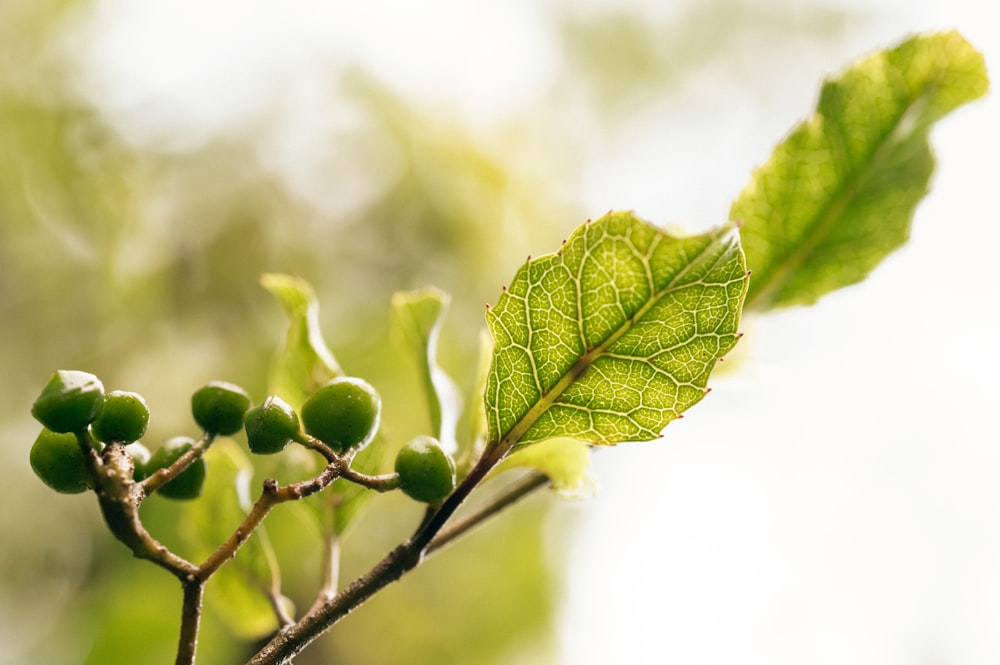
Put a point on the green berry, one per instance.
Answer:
(123, 417)
(69, 402)
(140, 458)
(188, 484)
(426, 471)
(344, 413)
(57, 460)
(270, 426)
(219, 407)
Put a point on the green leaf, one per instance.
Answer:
(348, 498)
(615, 335)
(305, 363)
(419, 315)
(838, 194)
(476, 428)
(565, 461)
(238, 588)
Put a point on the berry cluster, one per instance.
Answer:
(81, 420)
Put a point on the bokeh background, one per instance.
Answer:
(833, 501)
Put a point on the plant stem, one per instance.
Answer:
(507, 497)
(269, 498)
(190, 621)
(407, 556)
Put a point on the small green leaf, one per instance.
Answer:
(300, 368)
(238, 596)
(565, 461)
(615, 335)
(476, 427)
(305, 363)
(419, 315)
(348, 498)
(839, 193)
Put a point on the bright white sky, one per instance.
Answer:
(835, 500)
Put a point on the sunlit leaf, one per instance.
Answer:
(474, 418)
(565, 461)
(419, 315)
(838, 194)
(305, 363)
(615, 335)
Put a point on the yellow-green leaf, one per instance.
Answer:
(419, 315)
(305, 362)
(615, 335)
(839, 193)
(565, 461)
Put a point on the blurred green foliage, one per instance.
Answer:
(143, 266)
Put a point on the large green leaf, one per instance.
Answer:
(305, 362)
(419, 315)
(839, 192)
(615, 335)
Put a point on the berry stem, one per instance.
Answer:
(166, 474)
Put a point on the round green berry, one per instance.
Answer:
(426, 471)
(57, 460)
(123, 417)
(344, 413)
(219, 407)
(140, 458)
(188, 484)
(69, 402)
(270, 426)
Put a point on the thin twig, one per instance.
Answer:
(507, 497)
(407, 556)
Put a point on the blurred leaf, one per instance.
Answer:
(305, 363)
(419, 315)
(239, 587)
(565, 461)
(348, 498)
(838, 194)
(615, 335)
(475, 414)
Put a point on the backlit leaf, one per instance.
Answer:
(419, 315)
(305, 362)
(838, 194)
(615, 335)
(566, 462)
